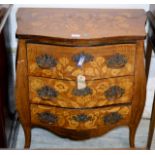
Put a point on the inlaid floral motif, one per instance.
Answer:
(98, 67)
(61, 86)
(94, 95)
(81, 119)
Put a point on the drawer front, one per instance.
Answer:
(64, 93)
(93, 62)
(79, 119)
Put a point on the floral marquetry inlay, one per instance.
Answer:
(97, 93)
(89, 24)
(95, 62)
(80, 72)
(80, 119)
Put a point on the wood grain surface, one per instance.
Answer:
(56, 36)
(80, 23)
(65, 117)
(66, 68)
(22, 99)
(139, 92)
(66, 98)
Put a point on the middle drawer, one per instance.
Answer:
(64, 93)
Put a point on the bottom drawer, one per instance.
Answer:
(79, 119)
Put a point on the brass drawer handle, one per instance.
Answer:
(116, 61)
(112, 118)
(46, 62)
(47, 93)
(82, 92)
(82, 58)
(114, 92)
(81, 118)
(47, 117)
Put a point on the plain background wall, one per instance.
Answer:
(13, 27)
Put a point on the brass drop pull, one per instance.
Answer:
(116, 61)
(82, 58)
(82, 92)
(47, 117)
(47, 93)
(82, 89)
(114, 92)
(112, 118)
(46, 61)
(81, 118)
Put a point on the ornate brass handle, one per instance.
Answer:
(47, 93)
(112, 118)
(114, 92)
(82, 58)
(116, 61)
(46, 61)
(82, 92)
(81, 118)
(47, 117)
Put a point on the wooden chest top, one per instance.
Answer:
(81, 24)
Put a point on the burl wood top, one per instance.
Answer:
(80, 23)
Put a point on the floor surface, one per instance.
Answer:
(118, 138)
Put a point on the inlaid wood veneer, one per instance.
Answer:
(80, 72)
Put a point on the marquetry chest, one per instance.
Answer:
(80, 72)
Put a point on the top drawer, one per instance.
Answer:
(93, 62)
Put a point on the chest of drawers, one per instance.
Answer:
(80, 72)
